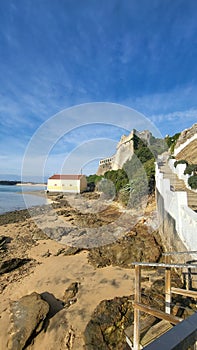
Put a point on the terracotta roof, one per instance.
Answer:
(65, 177)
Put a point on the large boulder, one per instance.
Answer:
(105, 330)
(27, 317)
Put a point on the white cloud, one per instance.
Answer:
(191, 114)
(49, 134)
(176, 99)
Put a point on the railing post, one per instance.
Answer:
(168, 290)
(136, 332)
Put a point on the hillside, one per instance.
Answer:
(189, 153)
(186, 145)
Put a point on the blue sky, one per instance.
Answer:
(58, 54)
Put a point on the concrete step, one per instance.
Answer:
(155, 331)
(179, 185)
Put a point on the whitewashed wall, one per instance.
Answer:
(175, 203)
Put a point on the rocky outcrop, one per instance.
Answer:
(186, 144)
(28, 315)
(137, 245)
(14, 217)
(186, 135)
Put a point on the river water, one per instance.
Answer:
(13, 197)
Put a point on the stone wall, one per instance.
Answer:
(124, 152)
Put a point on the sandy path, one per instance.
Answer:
(54, 275)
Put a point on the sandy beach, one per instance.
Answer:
(49, 271)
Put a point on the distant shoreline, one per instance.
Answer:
(30, 184)
(18, 183)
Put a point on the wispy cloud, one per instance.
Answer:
(178, 115)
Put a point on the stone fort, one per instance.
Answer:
(124, 151)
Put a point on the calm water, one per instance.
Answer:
(12, 198)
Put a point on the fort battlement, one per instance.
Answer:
(124, 152)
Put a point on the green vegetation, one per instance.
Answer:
(107, 187)
(118, 177)
(157, 146)
(191, 169)
(93, 179)
(192, 182)
(138, 183)
(181, 161)
(137, 178)
(141, 150)
(171, 141)
(141, 171)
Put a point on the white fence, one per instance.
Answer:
(175, 203)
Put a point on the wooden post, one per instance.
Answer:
(136, 332)
(168, 290)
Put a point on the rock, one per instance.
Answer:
(58, 232)
(3, 243)
(12, 264)
(28, 315)
(60, 251)
(105, 330)
(72, 250)
(47, 254)
(70, 293)
(138, 245)
(4, 240)
(38, 234)
(14, 217)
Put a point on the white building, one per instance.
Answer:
(67, 183)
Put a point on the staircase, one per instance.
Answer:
(178, 185)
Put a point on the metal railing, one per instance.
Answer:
(182, 336)
(189, 335)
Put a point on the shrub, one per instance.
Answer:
(181, 161)
(118, 177)
(192, 182)
(107, 188)
(135, 169)
(141, 149)
(157, 146)
(171, 141)
(149, 168)
(191, 169)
